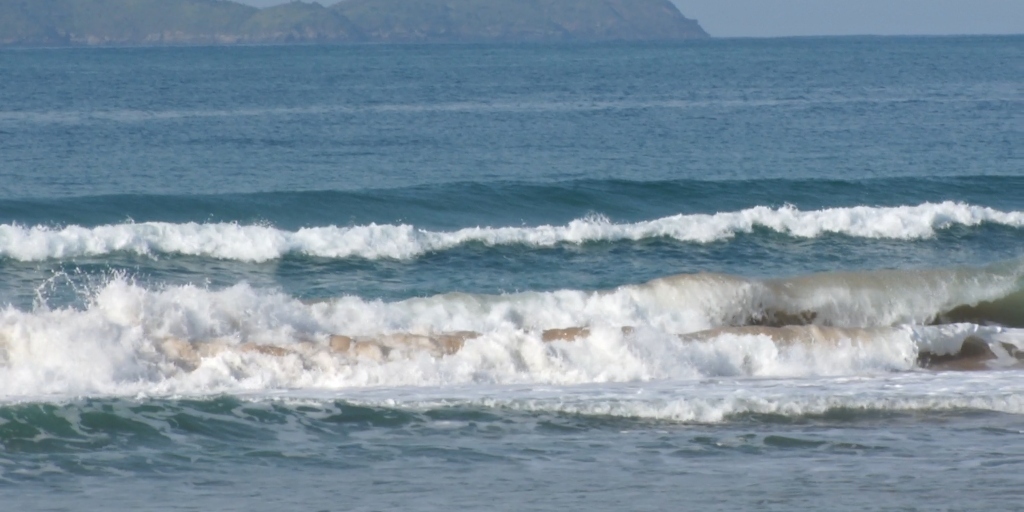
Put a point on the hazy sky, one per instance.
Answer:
(770, 18)
(759, 18)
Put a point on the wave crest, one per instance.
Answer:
(257, 243)
(186, 339)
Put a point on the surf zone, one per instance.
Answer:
(130, 339)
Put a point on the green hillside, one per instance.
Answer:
(299, 22)
(519, 20)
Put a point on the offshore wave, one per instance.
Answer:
(140, 116)
(132, 340)
(260, 243)
(506, 202)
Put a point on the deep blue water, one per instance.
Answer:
(235, 199)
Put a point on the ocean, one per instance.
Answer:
(711, 275)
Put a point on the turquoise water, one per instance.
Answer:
(228, 275)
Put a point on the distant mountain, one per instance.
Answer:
(518, 20)
(155, 22)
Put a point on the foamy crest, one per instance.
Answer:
(191, 340)
(263, 243)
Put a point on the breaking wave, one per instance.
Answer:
(186, 339)
(260, 243)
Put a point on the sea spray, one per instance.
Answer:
(131, 339)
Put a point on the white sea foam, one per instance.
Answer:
(259, 243)
(718, 400)
(123, 343)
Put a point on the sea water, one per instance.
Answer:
(226, 273)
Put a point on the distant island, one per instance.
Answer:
(195, 22)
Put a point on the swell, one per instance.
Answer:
(508, 202)
(261, 242)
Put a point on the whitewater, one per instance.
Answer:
(726, 275)
(191, 340)
(260, 243)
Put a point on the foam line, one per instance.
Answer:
(261, 243)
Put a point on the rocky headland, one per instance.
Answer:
(204, 22)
